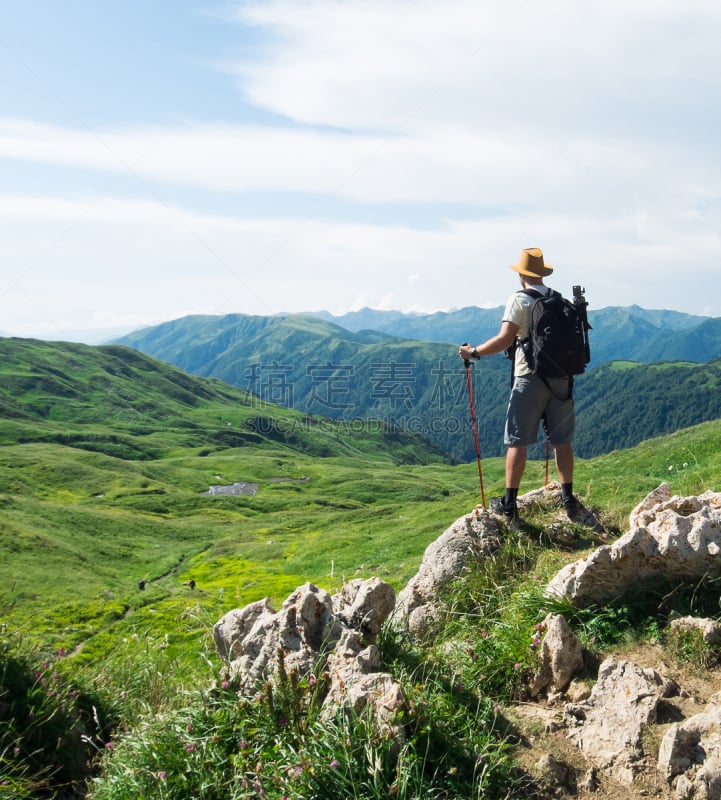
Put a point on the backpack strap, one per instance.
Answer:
(511, 349)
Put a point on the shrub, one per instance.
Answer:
(50, 730)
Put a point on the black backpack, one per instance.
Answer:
(557, 342)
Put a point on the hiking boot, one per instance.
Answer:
(573, 509)
(576, 512)
(509, 512)
(499, 506)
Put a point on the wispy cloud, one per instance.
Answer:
(444, 165)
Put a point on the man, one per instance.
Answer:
(533, 399)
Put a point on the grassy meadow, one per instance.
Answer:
(81, 530)
(115, 563)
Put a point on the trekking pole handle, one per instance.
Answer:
(466, 362)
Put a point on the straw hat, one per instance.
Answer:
(531, 263)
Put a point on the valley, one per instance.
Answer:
(116, 561)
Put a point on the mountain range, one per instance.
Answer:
(418, 384)
(627, 333)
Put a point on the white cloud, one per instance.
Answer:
(359, 66)
(149, 261)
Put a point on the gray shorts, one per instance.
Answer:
(532, 401)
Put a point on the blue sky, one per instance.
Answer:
(163, 158)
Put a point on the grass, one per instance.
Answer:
(276, 745)
(111, 524)
(81, 530)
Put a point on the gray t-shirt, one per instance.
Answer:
(516, 311)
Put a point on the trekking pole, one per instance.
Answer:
(548, 445)
(474, 425)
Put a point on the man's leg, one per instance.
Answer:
(564, 462)
(515, 465)
(525, 407)
(560, 423)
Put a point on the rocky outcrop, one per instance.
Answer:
(315, 633)
(671, 537)
(617, 725)
(607, 718)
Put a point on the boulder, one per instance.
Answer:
(608, 726)
(677, 538)
(420, 603)
(560, 656)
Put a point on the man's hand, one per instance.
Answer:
(465, 351)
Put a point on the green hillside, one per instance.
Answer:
(114, 400)
(106, 459)
(115, 561)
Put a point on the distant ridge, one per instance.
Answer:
(628, 333)
(118, 401)
(316, 366)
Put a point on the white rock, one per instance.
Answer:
(314, 631)
(560, 656)
(470, 537)
(692, 750)
(608, 726)
(678, 538)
